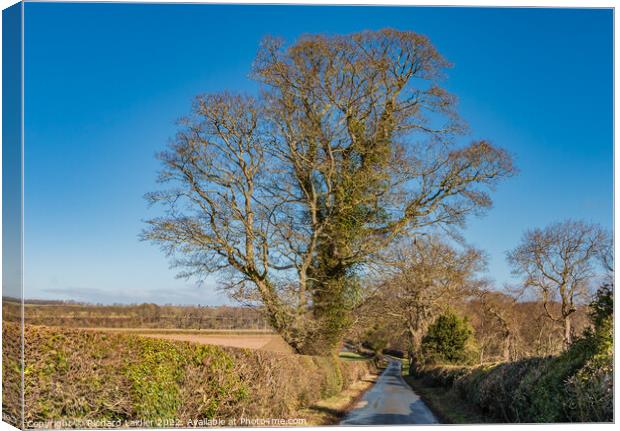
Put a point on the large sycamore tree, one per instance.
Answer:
(289, 195)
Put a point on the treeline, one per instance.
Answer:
(507, 330)
(540, 351)
(574, 386)
(57, 313)
(558, 267)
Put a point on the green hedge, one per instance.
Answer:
(86, 375)
(576, 386)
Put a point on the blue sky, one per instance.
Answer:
(104, 84)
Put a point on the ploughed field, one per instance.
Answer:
(243, 339)
(240, 339)
(249, 342)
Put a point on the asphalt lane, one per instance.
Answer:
(391, 401)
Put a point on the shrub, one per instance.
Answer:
(590, 392)
(448, 340)
(162, 371)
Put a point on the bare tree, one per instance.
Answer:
(559, 261)
(429, 276)
(607, 260)
(496, 326)
(290, 195)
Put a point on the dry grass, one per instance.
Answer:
(352, 356)
(446, 403)
(330, 411)
(11, 374)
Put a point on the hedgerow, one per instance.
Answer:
(11, 375)
(557, 389)
(86, 375)
(575, 386)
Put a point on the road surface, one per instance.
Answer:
(390, 401)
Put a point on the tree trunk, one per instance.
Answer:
(411, 357)
(506, 353)
(330, 317)
(567, 332)
(319, 344)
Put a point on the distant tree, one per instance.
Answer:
(427, 276)
(509, 329)
(607, 260)
(291, 195)
(377, 337)
(559, 261)
(448, 339)
(497, 324)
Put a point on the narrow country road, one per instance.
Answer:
(390, 401)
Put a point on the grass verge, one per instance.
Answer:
(330, 411)
(444, 403)
(352, 356)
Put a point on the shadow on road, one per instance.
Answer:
(391, 401)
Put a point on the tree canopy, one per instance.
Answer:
(448, 340)
(351, 145)
(559, 262)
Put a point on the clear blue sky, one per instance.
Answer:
(105, 83)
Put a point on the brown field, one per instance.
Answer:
(245, 339)
(270, 342)
(177, 331)
(239, 338)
